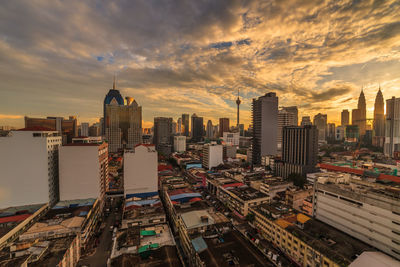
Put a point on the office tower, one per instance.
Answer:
(180, 143)
(174, 127)
(210, 130)
(68, 128)
(185, 124)
(140, 172)
(286, 117)
(352, 133)
(265, 126)
(223, 126)
(306, 120)
(340, 133)
(331, 131)
(83, 171)
(197, 128)
(366, 211)
(392, 127)
(84, 129)
(320, 121)
(295, 112)
(241, 129)
(238, 104)
(379, 120)
(123, 124)
(345, 120)
(359, 116)
(113, 97)
(212, 156)
(29, 167)
(162, 132)
(231, 139)
(299, 150)
(216, 131)
(95, 129)
(179, 126)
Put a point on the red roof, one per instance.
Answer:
(15, 218)
(35, 128)
(389, 177)
(195, 199)
(341, 169)
(163, 167)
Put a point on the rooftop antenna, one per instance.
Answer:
(114, 82)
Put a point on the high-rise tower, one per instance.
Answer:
(362, 119)
(379, 114)
(238, 104)
(114, 96)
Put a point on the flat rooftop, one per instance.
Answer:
(166, 256)
(247, 193)
(232, 248)
(333, 243)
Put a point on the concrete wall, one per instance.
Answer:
(140, 170)
(25, 170)
(79, 172)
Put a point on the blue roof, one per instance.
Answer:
(185, 195)
(83, 213)
(199, 244)
(142, 202)
(142, 195)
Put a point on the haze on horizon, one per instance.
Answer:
(57, 58)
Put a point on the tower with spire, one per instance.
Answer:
(379, 119)
(362, 107)
(238, 101)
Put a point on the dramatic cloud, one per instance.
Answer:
(58, 58)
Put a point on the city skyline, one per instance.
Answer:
(197, 61)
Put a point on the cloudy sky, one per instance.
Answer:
(57, 58)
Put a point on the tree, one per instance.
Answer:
(297, 179)
(250, 217)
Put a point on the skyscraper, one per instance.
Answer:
(162, 132)
(179, 126)
(320, 121)
(306, 120)
(84, 129)
(210, 130)
(113, 96)
(197, 128)
(123, 123)
(331, 131)
(265, 126)
(361, 114)
(392, 127)
(185, 124)
(285, 118)
(223, 126)
(299, 150)
(379, 119)
(345, 117)
(295, 112)
(238, 104)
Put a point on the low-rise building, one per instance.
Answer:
(367, 211)
(273, 185)
(294, 196)
(306, 241)
(212, 156)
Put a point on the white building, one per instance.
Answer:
(231, 138)
(369, 212)
(212, 156)
(339, 133)
(392, 127)
(140, 170)
(84, 129)
(180, 143)
(83, 171)
(28, 165)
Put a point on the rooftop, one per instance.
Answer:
(333, 243)
(247, 193)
